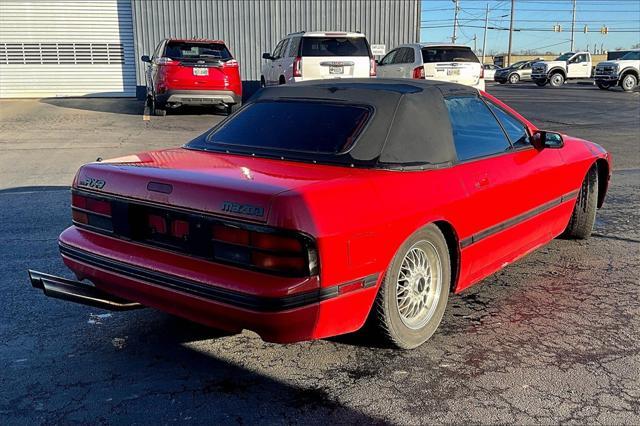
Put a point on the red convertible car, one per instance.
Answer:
(321, 205)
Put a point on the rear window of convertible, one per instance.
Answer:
(303, 126)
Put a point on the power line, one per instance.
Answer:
(542, 10)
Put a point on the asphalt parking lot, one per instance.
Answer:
(552, 338)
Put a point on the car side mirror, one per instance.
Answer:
(145, 58)
(542, 139)
(267, 55)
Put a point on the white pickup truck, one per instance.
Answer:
(570, 65)
(623, 71)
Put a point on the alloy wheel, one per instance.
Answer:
(418, 285)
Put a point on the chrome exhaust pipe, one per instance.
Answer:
(78, 292)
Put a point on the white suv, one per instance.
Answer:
(433, 61)
(317, 55)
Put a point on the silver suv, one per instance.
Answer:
(520, 71)
(433, 61)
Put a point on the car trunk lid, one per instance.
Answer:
(227, 185)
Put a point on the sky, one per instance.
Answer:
(535, 19)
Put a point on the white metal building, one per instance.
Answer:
(54, 48)
(66, 48)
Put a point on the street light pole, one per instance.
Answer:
(510, 33)
(484, 38)
(455, 22)
(573, 25)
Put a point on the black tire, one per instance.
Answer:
(541, 83)
(584, 213)
(157, 108)
(502, 82)
(263, 83)
(629, 82)
(282, 80)
(386, 314)
(556, 79)
(233, 108)
(514, 78)
(603, 86)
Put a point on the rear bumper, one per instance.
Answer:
(200, 97)
(296, 316)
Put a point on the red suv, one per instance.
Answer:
(192, 72)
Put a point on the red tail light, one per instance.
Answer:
(275, 242)
(231, 235)
(269, 251)
(297, 67)
(80, 217)
(92, 211)
(373, 67)
(418, 72)
(157, 224)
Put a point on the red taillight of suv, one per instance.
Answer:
(418, 72)
(372, 67)
(297, 67)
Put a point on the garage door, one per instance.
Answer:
(66, 48)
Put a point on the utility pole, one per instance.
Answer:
(484, 38)
(573, 25)
(475, 47)
(510, 33)
(455, 22)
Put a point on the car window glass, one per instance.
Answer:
(448, 54)
(185, 50)
(294, 47)
(476, 133)
(515, 129)
(527, 66)
(388, 59)
(399, 58)
(410, 56)
(278, 49)
(298, 127)
(158, 52)
(334, 46)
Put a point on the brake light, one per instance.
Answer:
(297, 67)
(92, 211)
(277, 263)
(80, 217)
(418, 72)
(373, 67)
(157, 224)
(231, 63)
(269, 251)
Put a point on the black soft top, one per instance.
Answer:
(409, 126)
